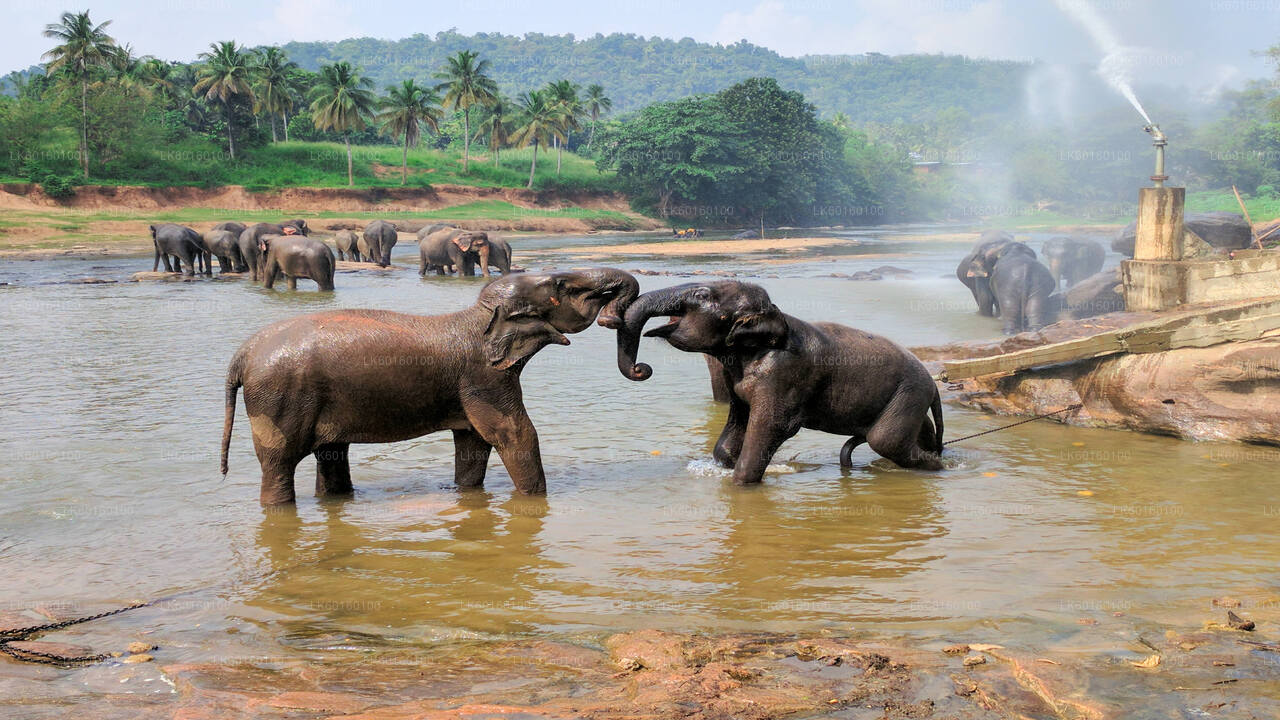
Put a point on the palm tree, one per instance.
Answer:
(564, 95)
(271, 89)
(542, 124)
(596, 105)
(466, 84)
(841, 122)
(84, 47)
(497, 126)
(341, 102)
(224, 76)
(404, 110)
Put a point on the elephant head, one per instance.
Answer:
(718, 318)
(300, 225)
(474, 242)
(531, 311)
(986, 255)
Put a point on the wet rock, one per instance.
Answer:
(62, 650)
(971, 660)
(93, 281)
(320, 702)
(11, 620)
(1095, 295)
(139, 658)
(891, 270)
(865, 275)
(1221, 230)
(161, 277)
(1226, 601)
(140, 647)
(647, 649)
(956, 649)
(1235, 622)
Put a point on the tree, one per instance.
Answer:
(466, 83)
(596, 105)
(342, 102)
(225, 76)
(84, 47)
(497, 125)
(404, 110)
(542, 124)
(272, 70)
(564, 94)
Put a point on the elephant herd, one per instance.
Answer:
(270, 250)
(1008, 280)
(302, 397)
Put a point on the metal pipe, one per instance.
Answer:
(1159, 141)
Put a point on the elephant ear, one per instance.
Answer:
(759, 330)
(514, 335)
(458, 240)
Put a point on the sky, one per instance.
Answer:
(1197, 43)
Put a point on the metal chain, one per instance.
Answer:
(17, 634)
(1068, 408)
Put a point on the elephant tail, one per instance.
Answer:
(936, 409)
(234, 381)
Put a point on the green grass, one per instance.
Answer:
(1261, 209)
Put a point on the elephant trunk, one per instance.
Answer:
(669, 301)
(621, 286)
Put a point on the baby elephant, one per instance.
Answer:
(317, 383)
(1072, 259)
(295, 256)
(785, 374)
(1020, 284)
(348, 245)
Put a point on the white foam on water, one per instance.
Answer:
(706, 467)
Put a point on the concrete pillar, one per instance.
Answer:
(1159, 234)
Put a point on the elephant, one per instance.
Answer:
(296, 256)
(250, 250)
(184, 245)
(978, 286)
(1021, 285)
(235, 227)
(1071, 260)
(499, 255)
(314, 384)
(348, 245)
(450, 247)
(786, 374)
(423, 233)
(380, 236)
(225, 245)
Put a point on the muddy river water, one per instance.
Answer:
(112, 413)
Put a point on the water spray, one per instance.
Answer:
(1159, 141)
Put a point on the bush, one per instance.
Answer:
(56, 186)
(1268, 191)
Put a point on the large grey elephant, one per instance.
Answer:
(785, 374)
(295, 256)
(380, 236)
(454, 247)
(184, 245)
(315, 384)
(1021, 285)
(232, 226)
(347, 245)
(225, 245)
(1072, 259)
(250, 248)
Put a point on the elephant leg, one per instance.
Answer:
(208, 263)
(470, 458)
(729, 445)
(721, 384)
(510, 431)
(1037, 311)
(333, 470)
(984, 297)
(293, 281)
(846, 450)
(269, 273)
(324, 281)
(156, 264)
(164, 256)
(1011, 313)
(767, 428)
(896, 434)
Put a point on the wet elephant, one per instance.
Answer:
(348, 245)
(231, 226)
(1072, 259)
(380, 236)
(250, 248)
(184, 245)
(786, 374)
(1021, 285)
(453, 247)
(302, 396)
(423, 233)
(296, 256)
(225, 245)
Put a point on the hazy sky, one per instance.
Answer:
(1206, 42)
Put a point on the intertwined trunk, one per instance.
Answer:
(668, 301)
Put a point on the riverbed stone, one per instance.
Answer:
(1221, 230)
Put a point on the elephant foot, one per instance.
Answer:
(333, 470)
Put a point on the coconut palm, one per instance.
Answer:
(542, 124)
(226, 74)
(342, 102)
(404, 110)
(466, 83)
(596, 105)
(271, 87)
(564, 95)
(497, 125)
(84, 47)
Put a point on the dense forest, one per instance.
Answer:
(820, 139)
